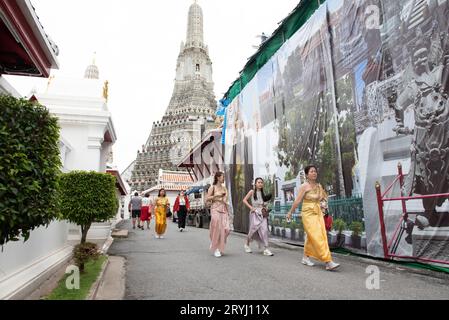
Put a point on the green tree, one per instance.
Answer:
(88, 197)
(29, 168)
(300, 133)
(327, 161)
(268, 185)
(289, 176)
(346, 126)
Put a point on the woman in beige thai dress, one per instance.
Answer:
(219, 227)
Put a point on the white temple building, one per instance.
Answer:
(86, 137)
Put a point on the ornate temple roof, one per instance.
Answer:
(92, 72)
(195, 26)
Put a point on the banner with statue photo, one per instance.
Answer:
(360, 91)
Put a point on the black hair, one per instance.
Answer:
(147, 195)
(136, 194)
(265, 198)
(307, 169)
(217, 175)
(159, 194)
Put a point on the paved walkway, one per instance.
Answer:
(181, 267)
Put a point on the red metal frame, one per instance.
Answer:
(380, 201)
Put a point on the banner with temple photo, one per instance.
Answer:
(361, 91)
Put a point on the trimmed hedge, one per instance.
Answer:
(87, 197)
(29, 168)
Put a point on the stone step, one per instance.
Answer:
(120, 234)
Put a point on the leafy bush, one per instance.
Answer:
(29, 168)
(339, 225)
(84, 252)
(88, 197)
(285, 224)
(356, 228)
(300, 225)
(293, 225)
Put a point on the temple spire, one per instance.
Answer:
(92, 71)
(195, 26)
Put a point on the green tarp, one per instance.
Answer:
(288, 27)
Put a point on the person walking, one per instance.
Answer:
(219, 228)
(135, 206)
(180, 208)
(311, 194)
(258, 221)
(162, 206)
(145, 214)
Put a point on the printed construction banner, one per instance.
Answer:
(361, 91)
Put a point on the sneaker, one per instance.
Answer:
(161, 237)
(267, 252)
(181, 229)
(248, 249)
(217, 253)
(331, 266)
(306, 261)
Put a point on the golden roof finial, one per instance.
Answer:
(106, 90)
(50, 79)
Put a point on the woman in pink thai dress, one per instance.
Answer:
(219, 227)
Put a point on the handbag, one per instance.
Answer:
(208, 203)
(168, 213)
(328, 222)
(265, 212)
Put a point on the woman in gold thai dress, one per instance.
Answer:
(311, 194)
(162, 204)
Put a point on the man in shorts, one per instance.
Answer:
(135, 207)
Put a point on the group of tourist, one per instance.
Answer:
(313, 198)
(311, 194)
(143, 209)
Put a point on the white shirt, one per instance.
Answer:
(182, 201)
(146, 202)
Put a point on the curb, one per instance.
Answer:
(94, 289)
(278, 243)
(392, 265)
(104, 250)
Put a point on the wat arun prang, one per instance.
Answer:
(190, 114)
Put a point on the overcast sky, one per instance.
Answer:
(137, 43)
